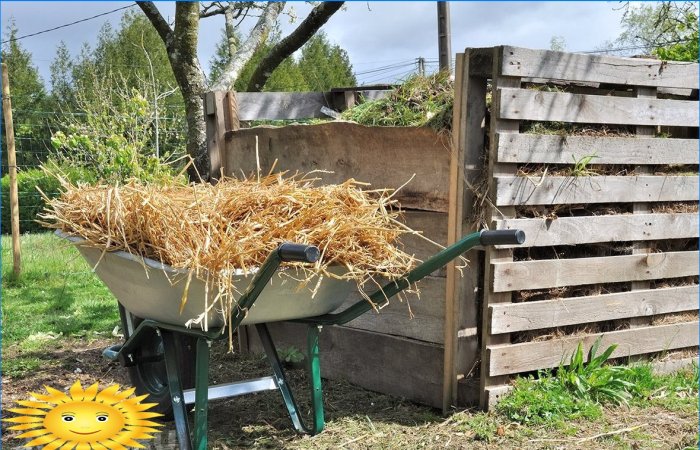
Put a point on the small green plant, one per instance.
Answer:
(594, 380)
(291, 355)
(580, 168)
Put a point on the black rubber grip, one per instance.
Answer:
(502, 237)
(298, 252)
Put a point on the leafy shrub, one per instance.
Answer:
(30, 201)
(113, 136)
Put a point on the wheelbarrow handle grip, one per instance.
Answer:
(298, 252)
(502, 237)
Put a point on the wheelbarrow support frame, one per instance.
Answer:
(286, 252)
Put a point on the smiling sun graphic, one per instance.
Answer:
(85, 419)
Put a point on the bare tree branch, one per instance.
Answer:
(306, 29)
(245, 51)
(156, 19)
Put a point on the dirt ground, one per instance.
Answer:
(356, 418)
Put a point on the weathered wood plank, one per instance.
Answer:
(550, 190)
(508, 359)
(515, 276)
(552, 149)
(492, 255)
(571, 311)
(527, 104)
(282, 105)
(543, 232)
(392, 365)
(523, 62)
(431, 225)
(416, 317)
(386, 157)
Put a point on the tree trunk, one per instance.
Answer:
(181, 44)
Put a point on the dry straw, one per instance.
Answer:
(213, 230)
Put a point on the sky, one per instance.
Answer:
(383, 39)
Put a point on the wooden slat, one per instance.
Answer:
(624, 227)
(523, 62)
(396, 366)
(596, 308)
(282, 105)
(528, 104)
(507, 359)
(542, 274)
(396, 319)
(386, 157)
(551, 190)
(552, 149)
(431, 225)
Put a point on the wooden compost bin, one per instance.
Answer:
(596, 158)
(400, 350)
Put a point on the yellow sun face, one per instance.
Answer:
(85, 419)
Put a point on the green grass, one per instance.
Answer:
(56, 296)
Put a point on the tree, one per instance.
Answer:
(668, 30)
(181, 46)
(28, 101)
(62, 90)
(325, 66)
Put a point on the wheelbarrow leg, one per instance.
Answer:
(201, 396)
(175, 387)
(283, 385)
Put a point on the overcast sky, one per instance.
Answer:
(375, 34)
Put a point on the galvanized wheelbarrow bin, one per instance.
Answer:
(157, 344)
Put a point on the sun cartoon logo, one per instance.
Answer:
(85, 419)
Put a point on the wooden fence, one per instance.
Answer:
(596, 158)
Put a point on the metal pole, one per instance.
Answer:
(12, 168)
(444, 36)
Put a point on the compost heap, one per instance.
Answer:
(212, 230)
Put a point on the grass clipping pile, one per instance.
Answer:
(214, 230)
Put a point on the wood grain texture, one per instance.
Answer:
(552, 190)
(523, 62)
(552, 149)
(561, 312)
(542, 274)
(383, 156)
(544, 232)
(516, 358)
(419, 317)
(527, 104)
(282, 105)
(396, 366)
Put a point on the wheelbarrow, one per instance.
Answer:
(158, 348)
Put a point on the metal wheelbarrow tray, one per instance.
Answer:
(155, 340)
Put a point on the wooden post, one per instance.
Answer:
(493, 386)
(221, 116)
(12, 168)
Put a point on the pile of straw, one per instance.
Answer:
(213, 230)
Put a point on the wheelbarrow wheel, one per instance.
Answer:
(148, 374)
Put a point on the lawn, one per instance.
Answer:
(57, 318)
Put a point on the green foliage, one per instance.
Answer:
(28, 100)
(668, 30)
(114, 135)
(580, 168)
(321, 66)
(30, 200)
(545, 400)
(324, 65)
(419, 101)
(56, 296)
(291, 355)
(595, 381)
